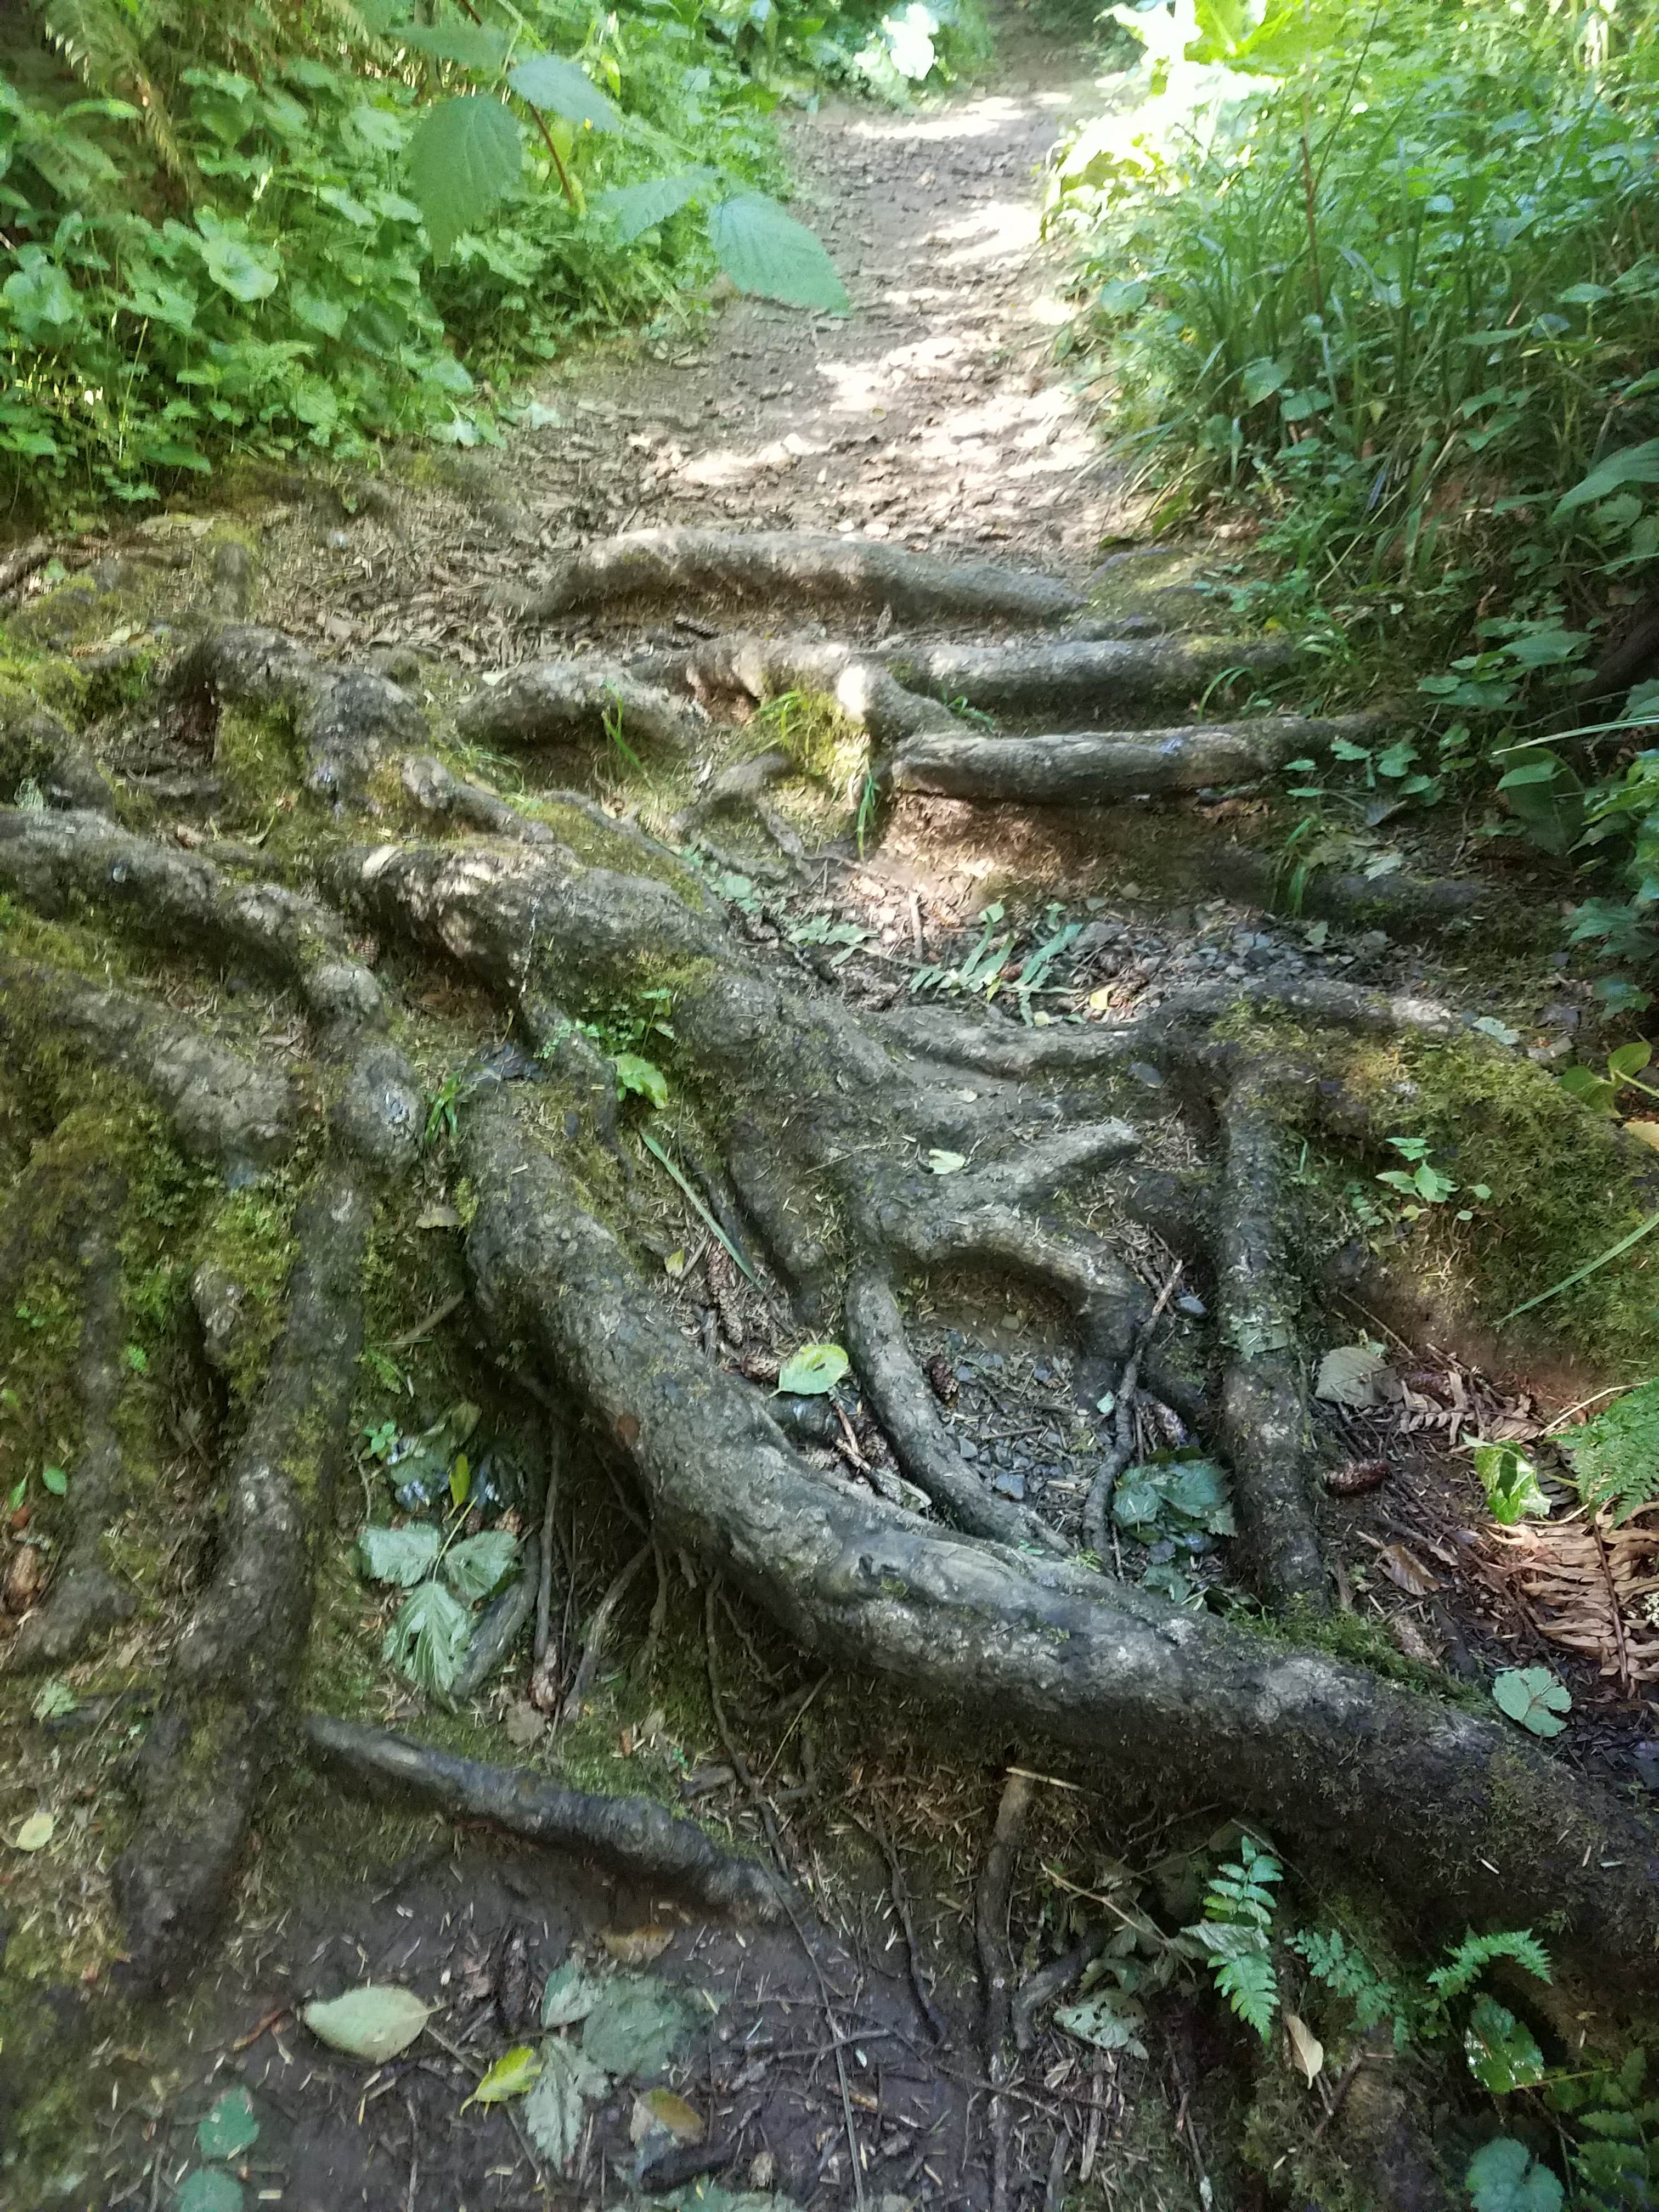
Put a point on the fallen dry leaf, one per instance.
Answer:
(637, 1947)
(1404, 1567)
(1306, 2049)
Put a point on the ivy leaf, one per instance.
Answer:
(1504, 2176)
(764, 251)
(813, 1372)
(464, 155)
(632, 209)
(227, 2126)
(404, 1556)
(559, 88)
(428, 1639)
(1510, 1482)
(1531, 1696)
(474, 1568)
(374, 2022)
(514, 2072)
(246, 272)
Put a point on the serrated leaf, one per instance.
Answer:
(35, 1833)
(812, 1372)
(228, 2125)
(642, 1076)
(428, 1639)
(514, 2072)
(464, 155)
(636, 2027)
(1504, 2176)
(1108, 2018)
(765, 251)
(570, 1995)
(555, 2109)
(1531, 1696)
(403, 1556)
(374, 2022)
(473, 1569)
(53, 1699)
(469, 45)
(560, 87)
(211, 2189)
(630, 210)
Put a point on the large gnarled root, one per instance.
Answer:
(576, 703)
(1453, 1809)
(1159, 676)
(674, 566)
(217, 1733)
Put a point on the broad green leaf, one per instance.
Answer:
(211, 2189)
(813, 1372)
(470, 45)
(159, 302)
(404, 1556)
(636, 2027)
(512, 2072)
(632, 209)
(1510, 1482)
(1629, 1060)
(559, 88)
(478, 1566)
(643, 1075)
(1260, 379)
(374, 2022)
(246, 272)
(1108, 2018)
(1502, 2054)
(1631, 464)
(460, 1480)
(317, 311)
(40, 297)
(1504, 2176)
(570, 1995)
(1531, 1696)
(227, 2126)
(465, 155)
(428, 1639)
(765, 251)
(55, 1480)
(555, 2109)
(52, 1700)
(36, 1833)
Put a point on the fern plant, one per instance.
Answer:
(1236, 1934)
(1616, 1457)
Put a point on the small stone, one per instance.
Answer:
(1143, 1072)
(1645, 1757)
(968, 1448)
(762, 2170)
(1007, 1483)
(1194, 1307)
(1372, 940)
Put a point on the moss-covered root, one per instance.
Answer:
(631, 1834)
(1455, 1811)
(85, 1598)
(233, 1672)
(1264, 1413)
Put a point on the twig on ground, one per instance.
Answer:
(937, 2026)
(996, 1964)
(740, 1765)
(598, 1629)
(1099, 1503)
(549, 1508)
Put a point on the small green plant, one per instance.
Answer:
(1532, 1696)
(1236, 1934)
(1615, 1457)
(1420, 1179)
(1510, 1482)
(445, 1578)
(1601, 1093)
(443, 1106)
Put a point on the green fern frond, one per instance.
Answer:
(1251, 1988)
(1464, 1965)
(95, 40)
(1242, 1889)
(1346, 1970)
(1616, 1457)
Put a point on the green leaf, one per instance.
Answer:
(1502, 2054)
(470, 45)
(765, 251)
(227, 2126)
(211, 2189)
(559, 88)
(317, 311)
(35, 1833)
(514, 2072)
(55, 1480)
(1616, 1457)
(1629, 1060)
(478, 1566)
(1631, 464)
(813, 1372)
(464, 155)
(404, 1556)
(1260, 379)
(246, 272)
(632, 209)
(428, 1639)
(1510, 1482)
(40, 297)
(555, 2108)
(374, 2022)
(1504, 2176)
(636, 2027)
(642, 1076)
(1531, 1696)
(1108, 2018)
(52, 1700)
(460, 1482)
(570, 1995)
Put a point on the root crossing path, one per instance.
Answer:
(422, 1047)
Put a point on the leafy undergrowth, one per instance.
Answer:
(294, 231)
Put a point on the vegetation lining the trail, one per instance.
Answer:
(246, 228)
(1386, 282)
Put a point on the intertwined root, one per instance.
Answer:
(819, 1133)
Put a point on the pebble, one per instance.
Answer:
(1009, 1485)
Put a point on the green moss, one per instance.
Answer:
(250, 1234)
(255, 752)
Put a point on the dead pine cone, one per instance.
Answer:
(943, 1376)
(1358, 1476)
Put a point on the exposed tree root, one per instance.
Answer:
(633, 1835)
(1101, 766)
(217, 1732)
(575, 702)
(772, 565)
(1079, 676)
